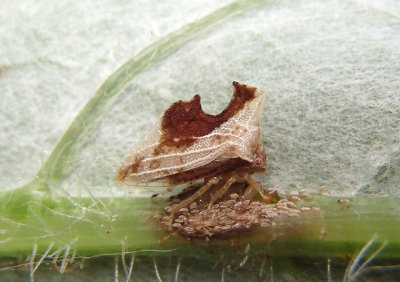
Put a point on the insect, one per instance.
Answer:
(188, 144)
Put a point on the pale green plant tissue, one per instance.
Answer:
(330, 69)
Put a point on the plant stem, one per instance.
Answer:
(107, 226)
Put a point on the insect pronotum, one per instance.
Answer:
(188, 144)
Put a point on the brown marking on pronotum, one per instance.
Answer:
(154, 164)
(132, 167)
(183, 121)
(207, 171)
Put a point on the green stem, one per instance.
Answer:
(104, 226)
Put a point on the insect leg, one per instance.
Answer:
(169, 189)
(198, 193)
(232, 179)
(256, 186)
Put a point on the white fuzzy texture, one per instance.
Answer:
(330, 71)
(54, 55)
